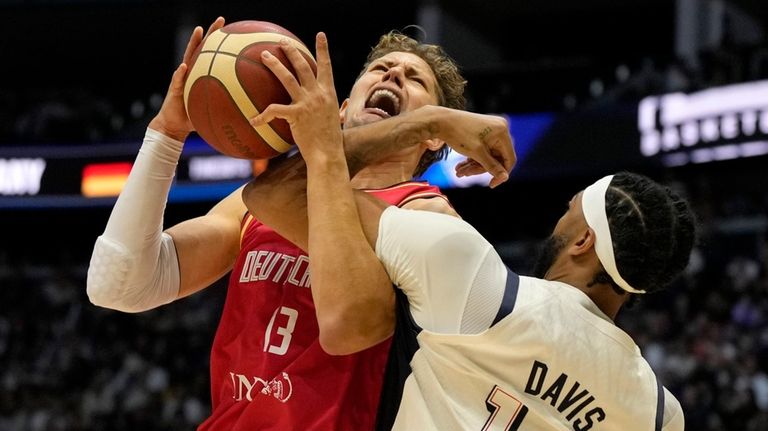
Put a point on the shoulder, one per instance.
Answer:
(427, 228)
(432, 203)
(535, 291)
(415, 195)
(455, 281)
(231, 207)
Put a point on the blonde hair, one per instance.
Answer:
(450, 82)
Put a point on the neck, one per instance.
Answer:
(606, 299)
(393, 169)
(602, 294)
(382, 175)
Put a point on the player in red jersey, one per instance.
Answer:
(268, 370)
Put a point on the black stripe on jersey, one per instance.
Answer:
(659, 405)
(404, 346)
(510, 296)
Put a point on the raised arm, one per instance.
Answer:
(352, 292)
(135, 266)
(484, 139)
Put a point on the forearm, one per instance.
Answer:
(353, 295)
(278, 196)
(368, 143)
(132, 254)
(147, 187)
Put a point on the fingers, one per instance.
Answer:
(302, 69)
(273, 111)
(494, 183)
(215, 25)
(499, 157)
(177, 80)
(197, 37)
(473, 168)
(492, 166)
(282, 73)
(505, 147)
(176, 87)
(194, 41)
(469, 167)
(324, 69)
(299, 63)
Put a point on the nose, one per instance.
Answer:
(395, 74)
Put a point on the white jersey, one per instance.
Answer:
(503, 352)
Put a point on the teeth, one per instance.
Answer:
(385, 93)
(381, 111)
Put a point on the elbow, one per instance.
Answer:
(335, 346)
(101, 297)
(102, 293)
(337, 342)
(129, 282)
(345, 336)
(97, 286)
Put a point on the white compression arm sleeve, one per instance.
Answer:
(134, 266)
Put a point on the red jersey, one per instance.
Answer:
(268, 370)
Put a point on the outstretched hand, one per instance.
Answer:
(172, 120)
(313, 114)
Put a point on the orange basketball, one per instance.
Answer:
(227, 85)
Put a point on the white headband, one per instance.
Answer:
(593, 205)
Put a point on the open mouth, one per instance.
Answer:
(385, 102)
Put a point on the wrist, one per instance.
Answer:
(327, 166)
(435, 120)
(161, 126)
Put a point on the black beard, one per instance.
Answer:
(547, 253)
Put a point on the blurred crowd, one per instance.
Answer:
(74, 116)
(707, 337)
(78, 116)
(68, 365)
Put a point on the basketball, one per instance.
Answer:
(227, 85)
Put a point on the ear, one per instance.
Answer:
(434, 144)
(343, 110)
(583, 243)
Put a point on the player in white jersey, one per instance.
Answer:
(501, 351)
(494, 350)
